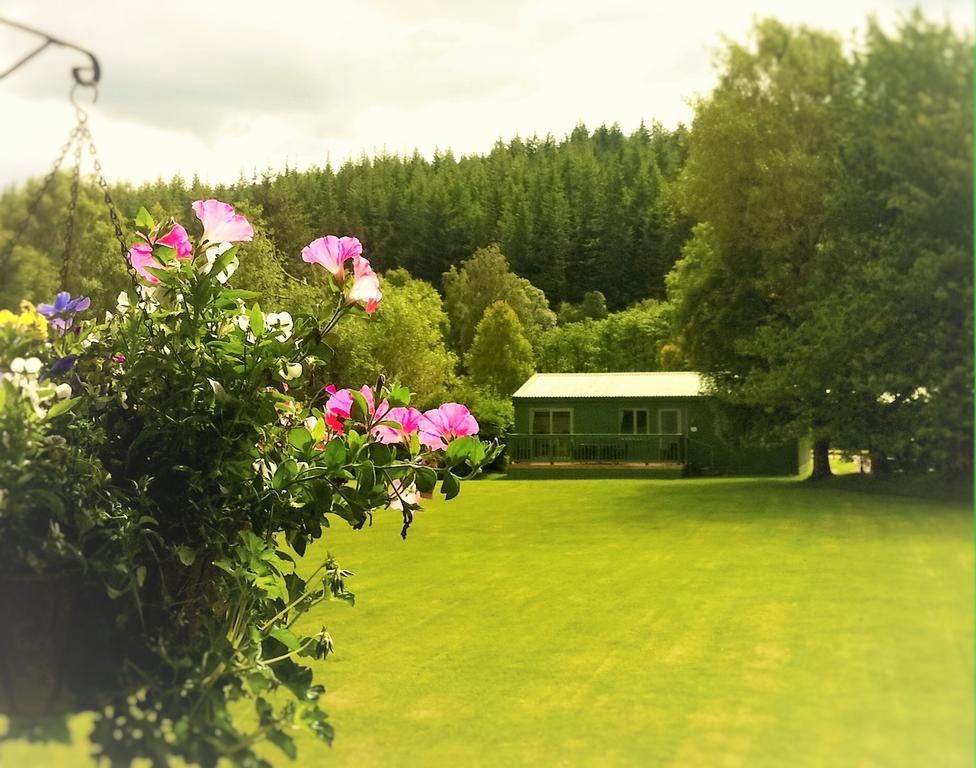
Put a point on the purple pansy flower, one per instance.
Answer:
(61, 313)
(63, 365)
(64, 305)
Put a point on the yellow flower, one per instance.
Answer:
(29, 322)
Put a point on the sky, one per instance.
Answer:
(225, 87)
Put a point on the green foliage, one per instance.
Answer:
(563, 211)
(500, 357)
(31, 270)
(631, 340)
(593, 306)
(405, 342)
(481, 281)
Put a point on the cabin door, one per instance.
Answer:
(551, 431)
(669, 429)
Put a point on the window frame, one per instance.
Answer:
(647, 421)
(680, 421)
(534, 411)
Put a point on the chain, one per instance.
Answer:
(79, 137)
(73, 136)
(113, 212)
(69, 227)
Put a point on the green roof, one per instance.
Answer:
(585, 385)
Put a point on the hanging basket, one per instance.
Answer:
(59, 651)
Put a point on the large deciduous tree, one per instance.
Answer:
(760, 173)
(828, 285)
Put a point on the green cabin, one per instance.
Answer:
(661, 422)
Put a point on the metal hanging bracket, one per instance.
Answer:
(83, 75)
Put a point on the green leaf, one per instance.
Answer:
(284, 742)
(186, 554)
(164, 254)
(367, 477)
(426, 479)
(318, 431)
(144, 220)
(468, 449)
(233, 294)
(382, 455)
(354, 442)
(256, 319)
(286, 637)
(450, 485)
(360, 408)
(62, 406)
(399, 397)
(258, 683)
(321, 493)
(165, 276)
(285, 473)
(334, 455)
(219, 265)
(300, 437)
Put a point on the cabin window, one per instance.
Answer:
(669, 421)
(552, 421)
(633, 421)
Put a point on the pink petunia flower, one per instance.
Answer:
(337, 407)
(407, 418)
(220, 223)
(365, 286)
(141, 256)
(441, 425)
(179, 241)
(332, 252)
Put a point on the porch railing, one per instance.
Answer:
(598, 449)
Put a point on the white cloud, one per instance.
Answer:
(226, 86)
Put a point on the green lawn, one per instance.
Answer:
(651, 623)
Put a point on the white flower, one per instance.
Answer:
(265, 468)
(403, 494)
(29, 367)
(213, 253)
(147, 300)
(62, 391)
(280, 321)
(290, 371)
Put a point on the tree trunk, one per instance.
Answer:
(879, 463)
(821, 459)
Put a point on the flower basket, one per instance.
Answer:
(163, 472)
(59, 651)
